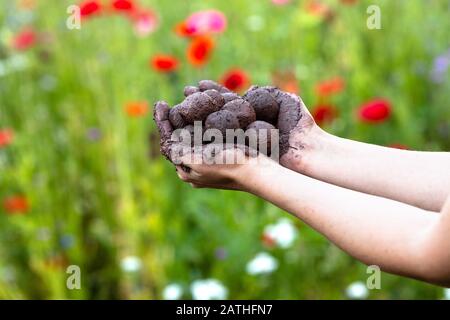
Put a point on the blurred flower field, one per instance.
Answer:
(81, 179)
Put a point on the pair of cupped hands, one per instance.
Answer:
(192, 166)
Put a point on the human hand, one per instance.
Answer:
(213, 96)
(290, 115)
(230, 168)
(284, 110)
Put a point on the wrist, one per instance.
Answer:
(253, 172)
(310, 144)
(316, 144)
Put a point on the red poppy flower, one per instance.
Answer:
(183, 30)
(89, 8)
(123, 5)
(6, 137)
(25, 39)
(331, 86)
(398, 146)
(317, 8)
(375, 111)
(136, 108)
(323, 114)
(15, 204)
(267, 240)
(235, 79)
(164, 63)
(199, 50)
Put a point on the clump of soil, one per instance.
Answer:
(197, 107)
(243, 111)
(263, 137)
(222, 120)
(265, 105)
(217, 107)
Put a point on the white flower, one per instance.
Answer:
(357, 290)
(283, 232)
(131, 264)
(15, 63)
(48, 82)
(447, 294)
(208, 289)
(172, 291)
(255, 23)
(262, 263)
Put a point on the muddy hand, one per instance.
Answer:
(287, 112)
(161, 117)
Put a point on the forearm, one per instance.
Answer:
(374, 230)
(418, 178)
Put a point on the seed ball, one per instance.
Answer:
(243, 111)
(262, 139)
(216, 97)
(175, 117)
(230, 96)
(190, 129)
(161, 111)
(265, 105)
(290, 112)
(197, 107)
(188, 90)
(204, 85)
(222, 120)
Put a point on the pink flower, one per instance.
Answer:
(25, 39)
(281, 2)
(145, 22)
(207, 21)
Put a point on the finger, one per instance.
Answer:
(188, 175)
(161, 111)
(290, 110)
(197, 186)
(188, 90)
(289, 115)
(175, 117)
(210, 186)
(161, 117)
(183, 174)
(192, 159)
(204, 85)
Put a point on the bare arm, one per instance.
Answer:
(418, 178)
(397, 237)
